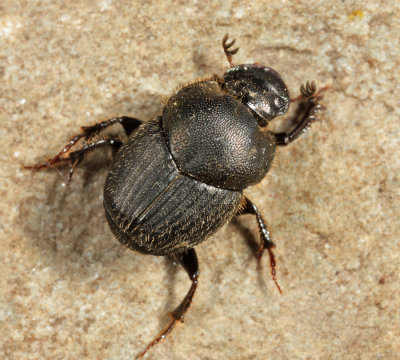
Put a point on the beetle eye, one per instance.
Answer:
(277, 102)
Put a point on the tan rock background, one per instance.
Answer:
(67, 288)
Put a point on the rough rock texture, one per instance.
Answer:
(67, 288)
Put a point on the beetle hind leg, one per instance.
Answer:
(128, 123)
(66, 156)
(265, 238)
(74, 158)
(188, 260)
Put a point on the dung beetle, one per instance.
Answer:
(180, 176)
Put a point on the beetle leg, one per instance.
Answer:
(266, 242)
(74, 158)
(308, 111)
(88, 132)
(188, 260)
(129, 124)
(227, 45)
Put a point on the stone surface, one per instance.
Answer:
(69, 291)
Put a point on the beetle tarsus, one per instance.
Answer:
(272, 264)
(159, 338)
(306, 91)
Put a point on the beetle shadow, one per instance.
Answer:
(64, 219)
(253, 243)
(59, 221)
(246, 234)
(171, 302)
(97, 163)
(201, 61)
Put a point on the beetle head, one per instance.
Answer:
(260, 88)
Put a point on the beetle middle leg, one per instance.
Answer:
(188, 260)
(265, 238)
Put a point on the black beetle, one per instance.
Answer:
(180, 176)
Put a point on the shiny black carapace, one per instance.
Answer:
(181, 175)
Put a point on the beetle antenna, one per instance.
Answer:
(227, 45)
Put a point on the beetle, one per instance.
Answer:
(180, 176)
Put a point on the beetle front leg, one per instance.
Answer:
(265, 238)
(312, 107)
(188, 260)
